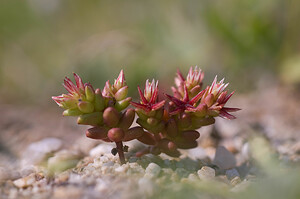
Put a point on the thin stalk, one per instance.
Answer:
(120, 152)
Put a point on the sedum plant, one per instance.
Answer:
(165, 125)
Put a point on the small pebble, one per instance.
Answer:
(25, 182)
(153, 169)
(206, 173)
(236, 180)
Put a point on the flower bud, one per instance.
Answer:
(121, 105)
(116, 134)
(111, 117)
(92, 119)
(96, 133)
(85, 107)
(121, 93)
(72, 112)
(147, 138)
(120, 81)
(133, 133)
(89, 93)
(127, 119)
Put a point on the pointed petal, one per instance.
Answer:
(175, 92)
(143, 99)
(227, 109)
(140, 106)
(69, 86)
(221, 97)
(213, 84)
(158, 105)
(79, 82)
(176, 111)
(121, 77)
(227, 97)
(154, 94)
(225, 115)
(176, 101)
(197, 97)
(186, 94)
(179, 74)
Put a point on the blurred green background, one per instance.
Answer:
(41, 41)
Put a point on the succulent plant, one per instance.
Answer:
(165, 127)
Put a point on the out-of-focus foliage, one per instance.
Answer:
(43, 40)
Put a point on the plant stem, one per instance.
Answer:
(120, 152)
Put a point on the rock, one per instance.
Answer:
(63, 160)
(206, 173)
(153, 169)
(224, 159)
(232, 173)
(38, 152)
(25, 182)
(101, 149)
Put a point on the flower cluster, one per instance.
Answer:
(165, 126)
(102, 110)
(172, 127)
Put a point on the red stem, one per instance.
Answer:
(120, 152)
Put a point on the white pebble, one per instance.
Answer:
(153, 169)
(206, 173)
